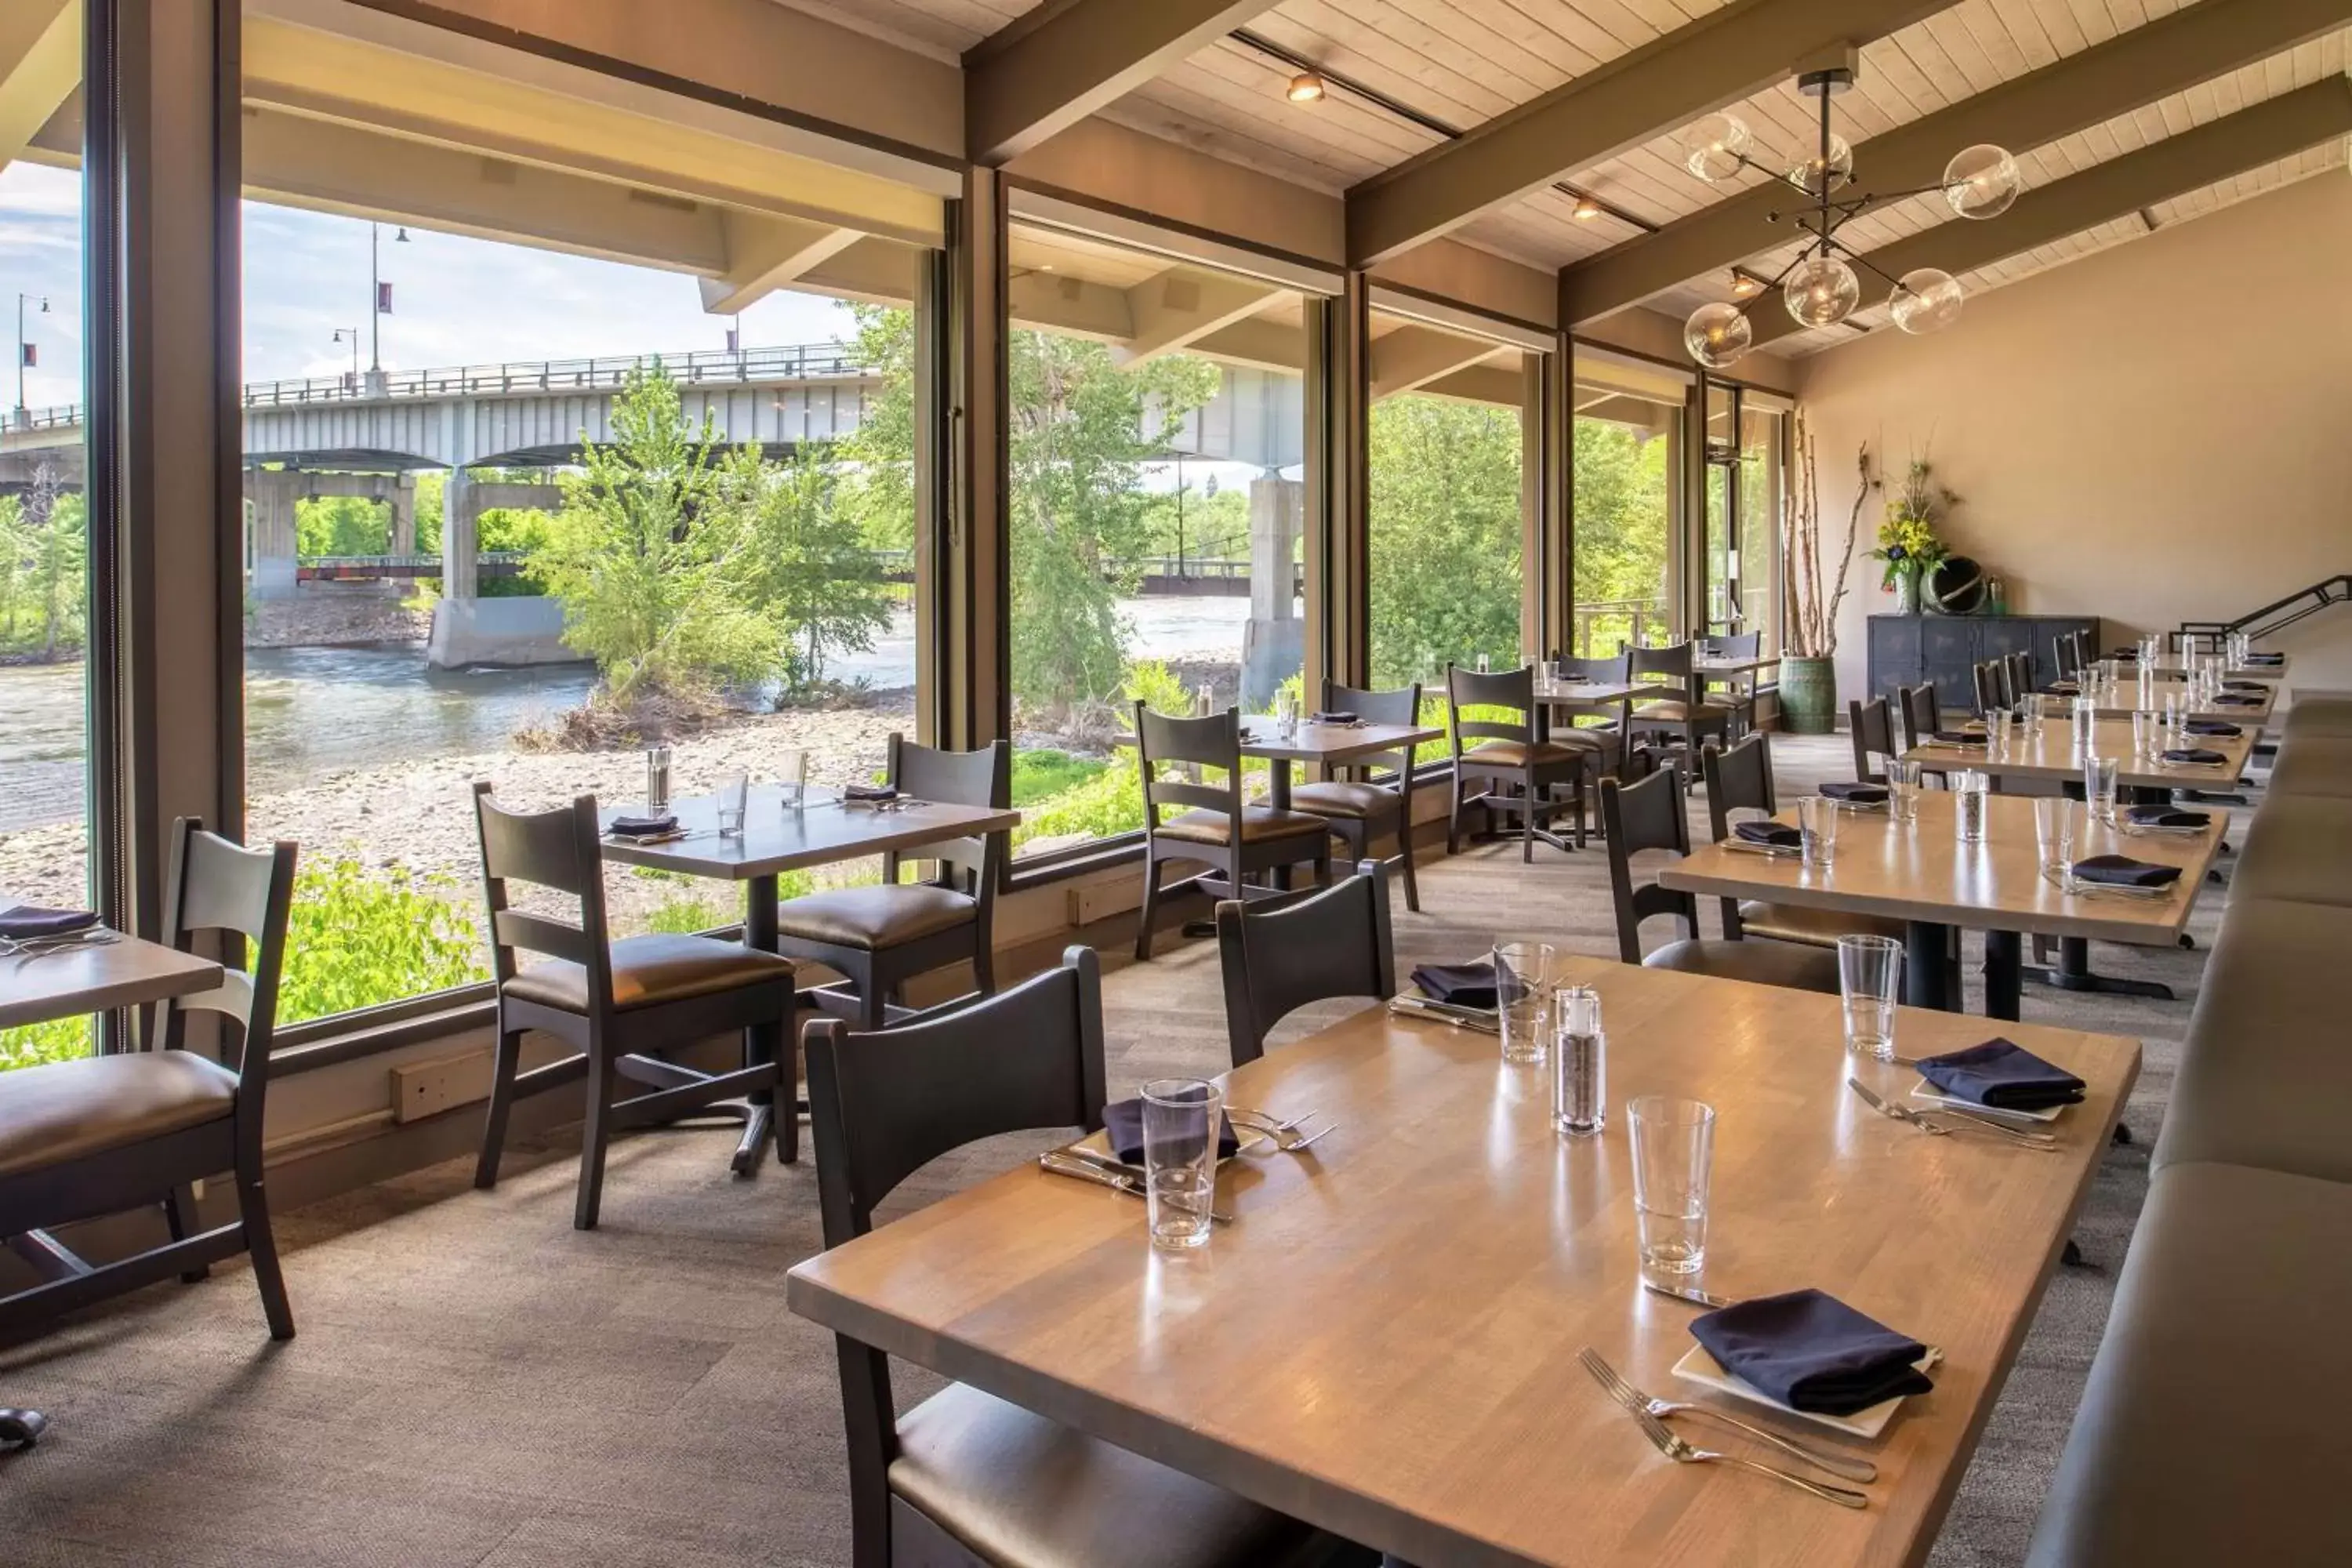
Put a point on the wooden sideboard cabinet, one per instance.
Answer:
(1907, 649)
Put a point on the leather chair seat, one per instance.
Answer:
(1521, 753)
(1677, 713)
(1259, 823)
(1820, 928)
(884, 915)
(1019, 1490)
(650, 970)
(1344, 798)
(1783, 964)
(64, 1110)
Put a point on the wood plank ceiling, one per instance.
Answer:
(1461, 62)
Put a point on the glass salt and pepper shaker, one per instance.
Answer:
(1580, 1063)
(657, 780)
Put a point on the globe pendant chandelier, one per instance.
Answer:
(1820, 287)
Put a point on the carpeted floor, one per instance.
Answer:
(475, 1382)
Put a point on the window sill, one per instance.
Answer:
(1062, 865)
(348, 1037)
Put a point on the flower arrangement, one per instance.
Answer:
(1907, 540)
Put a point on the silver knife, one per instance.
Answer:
(1690, 1294)
(2042, 1141)
(1466, 1017)
(1987, 1123)
(1056, 1162)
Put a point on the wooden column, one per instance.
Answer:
(1559, 374)
(934, 494)
(1339, 413)
(977, 698)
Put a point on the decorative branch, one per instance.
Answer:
(1813, 613)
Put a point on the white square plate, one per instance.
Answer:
(1928, 1094)
(1702, 1369)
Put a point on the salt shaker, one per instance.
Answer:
(657, 780)
(1580, 1063)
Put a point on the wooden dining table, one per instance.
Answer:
(1919, 873)
(826, 830)
(2256, 712)
(1322, 746)
(2048, 754)
(1384, 1342)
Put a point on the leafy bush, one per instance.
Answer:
(1041, 774)
(56, 1040)
(1157, 686)
(1109, 802)
(357, 938)
(690, 914)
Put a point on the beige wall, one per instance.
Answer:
(2160, 432)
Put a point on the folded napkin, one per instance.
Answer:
(2003, 1075)
(2194, 754)
(22, 922)
(2167, 817)
(1460, 984)
(630, 827)
(2218, 728)
(1960, 738)
(873, 793)
(1812, 1351)
(1123, 1125)
(1774, 835)
(2266, 658)
(1855, 794)
(2245, 686)
(1335, 716)
(2123, 871)
(2127, 653)
(2064, 686)
(2228, 701)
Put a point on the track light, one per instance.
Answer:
(1306, 88)
(1587, 209)
(1742, 285)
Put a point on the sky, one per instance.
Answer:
(456, 301)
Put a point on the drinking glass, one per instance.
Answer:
(2053, 834)
(1523, 984)
(2144, 734)
(1181, 1118)
(1482, 665)
(1969, 805)
(2086, 721)
(1997, 721)
(734, 791)
(1817, 821)
(1903, 786)
(1674, 1155)
(1870, 977)
(791, 779)
(2099, 788)
(1285, 712)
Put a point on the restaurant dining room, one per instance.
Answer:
(1220, 783)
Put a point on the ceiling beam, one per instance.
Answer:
(40, 64)
(1411, 357)
(1052, 68)
(1173, 309)
(2216, 151)
(1258, 342)
(765, 254)
(1062, 303)
(1720, 58)
(2133, 69)
(1488, 384)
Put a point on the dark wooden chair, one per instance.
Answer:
(617, 1005)
(881, 937)
(1922, 716)
(1650, 815)
(2074, 652)
(1332, 943)
(1742, 776)
(1582, 669)
(107, 1134)
(1871, 725)
(1686, 720)
(1991, 678)
(1236, 839)
(1514, 758)
(1737, 693)
(2020, 675)
(965, 1480)
(1375, 794)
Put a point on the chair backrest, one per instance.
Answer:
(1921, 716)
(1335, 943)
(556, 849)
(883, 1105)
(1213, 742)
(2069, 655)
(1986, 675)
(1402, 706)
(1595, 671)
(1635, 817)
(1740, 776)
(1508, 688)
(981, 778)
(1873, 727)
(244, 894)
(1674, 663)
(2020, 675)
(1737, 645)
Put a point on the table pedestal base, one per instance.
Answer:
(2072, 972)
(21, 1429)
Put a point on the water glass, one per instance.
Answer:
(1969, 806)
(2053, 834)
(2144, 734)
(1204, 700)
(1579, 1084)
(2099, 788)
(1285, 712)
(1997, 722)
(1904, 781)
(1523, 986)
(1181, 1118)
(657, 769)
(1483, 668)
(1870, 978)
(1817, 822)
(734, 794)
(1674, 1156)
(2086, 721)
(791, 779)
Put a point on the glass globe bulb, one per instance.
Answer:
(1715, 147)
(1807, 173)
(1928, 300)
(1718, 334)
(1981, 181)
(1822, 291)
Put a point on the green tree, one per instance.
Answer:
(341, 525)
(1444, 536)
(809, 570)
(60, 566)
(16, 563)
(877, 487)
(1621, 524)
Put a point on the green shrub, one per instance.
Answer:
(1109, 802)
(1041, 774)
(1158, 688)
(688, 915)
(56, 1040)
(358, 939)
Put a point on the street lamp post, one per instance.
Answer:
(22, 416)
(376, 294)
(350, 335)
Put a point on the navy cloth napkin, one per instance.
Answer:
(1460, 984)
(1123, 1125)
(2167, 817)
(1961, 738)
(23, 921)
(2245, 686)
(637, 826)
(2266, 658)
(871, 792)
(1334, 716)
(1812, 1351)
(2194, 754)
(1856, 793)
(2123, 871)
(1773, 835)
(2003, 1075)
(2220, 727)
(2228, 701)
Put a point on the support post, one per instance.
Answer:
(1274, 643)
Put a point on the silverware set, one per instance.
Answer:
(1484, 1021)
(1944, 1120)
(2083, 889)
(69, 942)
(1649, 1415)
(1286, 1133)
(1085, 1165)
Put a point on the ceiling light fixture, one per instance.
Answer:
(1307, 87)
(1587, 209)
(1820, 287)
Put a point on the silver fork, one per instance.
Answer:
(2045, 1142)
(1682, 1453)
(1284, 1135)
(35, 946)
(1642, 1404)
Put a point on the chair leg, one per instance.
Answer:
(984, 965)
(1151, 905)
(261, 1242)
(1453, 816)
(594, 1134)
(1531, 794)
(1579, 808)
(180, 1218)
(1405, 852)
(506, 1056)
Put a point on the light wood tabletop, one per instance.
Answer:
(2255, 711)
(2049, 753)
(1599, 694)
(1722, 665)
(826, 831)
(1329, 744)
(72, 980)
(1384, 1342)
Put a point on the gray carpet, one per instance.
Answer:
(477, 1383)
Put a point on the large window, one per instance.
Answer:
(1760, 496)
(44, 543)
(540, 468)
(1157, 444)
(1624, 475)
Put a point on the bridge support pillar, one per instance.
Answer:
(402, 496)
(273, 492)
(1273, 644)
(461, 514)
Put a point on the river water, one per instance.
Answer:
(312, 711)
